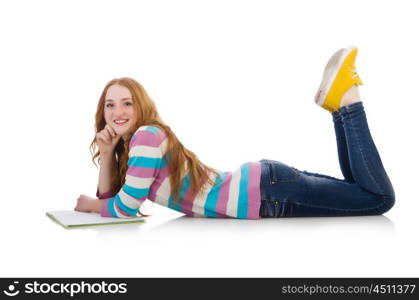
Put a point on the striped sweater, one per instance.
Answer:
(235, 194)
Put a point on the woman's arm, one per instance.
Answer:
(145, 154)
(107, 167)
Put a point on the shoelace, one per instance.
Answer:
(355, 74)
(352, 68)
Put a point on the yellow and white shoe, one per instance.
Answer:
(339, 75)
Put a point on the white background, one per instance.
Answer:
(235, 80)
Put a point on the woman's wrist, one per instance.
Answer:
(108, 155)
(96, 205)
(107, 168)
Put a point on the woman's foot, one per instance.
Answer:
(351, 96)
(340, 80)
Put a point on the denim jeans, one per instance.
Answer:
(365, 190)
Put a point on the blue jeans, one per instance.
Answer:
(365, 190)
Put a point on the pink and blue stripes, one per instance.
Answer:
(235, 194)
(145, 159)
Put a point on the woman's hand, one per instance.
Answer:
(107, 139)
(85, 204)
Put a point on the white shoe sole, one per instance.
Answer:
(330, 72)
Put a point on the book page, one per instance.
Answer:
(76, 218)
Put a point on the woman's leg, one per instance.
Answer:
(365, 162)
(342, 147)
(349, 97)
(287, 191)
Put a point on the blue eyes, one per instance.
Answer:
(111, 105)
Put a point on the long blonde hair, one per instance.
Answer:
(176, 155)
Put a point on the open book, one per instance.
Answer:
(72, 219)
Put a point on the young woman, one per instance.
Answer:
(140, 157)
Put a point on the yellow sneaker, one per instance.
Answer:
(339, 75)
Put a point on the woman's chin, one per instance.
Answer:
(122, 130)
(123, 134)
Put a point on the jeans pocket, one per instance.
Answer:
(276, 209)
(280, 172)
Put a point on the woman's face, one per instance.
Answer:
(119, 109)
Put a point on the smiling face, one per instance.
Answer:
(119, 109)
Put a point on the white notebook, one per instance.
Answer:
(72, 218)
